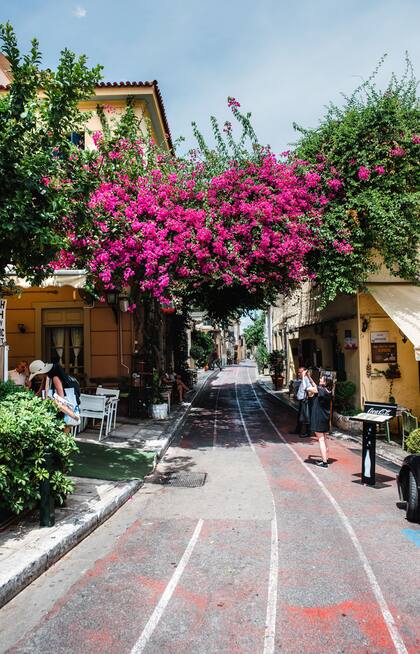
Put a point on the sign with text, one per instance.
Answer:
(384, 352)
(380, 409)
(2, 322)
(379, 337)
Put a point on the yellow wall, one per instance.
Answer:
(103, 342)
(118, 106)
(406, 390)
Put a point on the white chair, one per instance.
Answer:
(113, 396)
(96, 408)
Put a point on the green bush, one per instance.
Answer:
(202, 346)
(29, 426)
(8, 388)
(261, 357)
(344, 391)
(413, 442)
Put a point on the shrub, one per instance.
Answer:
(8, 388)
(413, 442)
(261, 356)
(344, 391)
(28, 427)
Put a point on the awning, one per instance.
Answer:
(74, 278)
(402, 304)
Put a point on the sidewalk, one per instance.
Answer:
(27, 550)
(389, 451)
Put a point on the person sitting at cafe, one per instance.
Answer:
(20, 374)
(181, 387)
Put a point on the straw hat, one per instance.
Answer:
(38, 367)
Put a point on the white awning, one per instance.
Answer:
(402, 304)
(74, 278)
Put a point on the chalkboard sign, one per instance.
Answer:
(384, 352)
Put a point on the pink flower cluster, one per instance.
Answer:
(166, 232)
(363, 173)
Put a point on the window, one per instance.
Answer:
(64, 345)
(78, 140)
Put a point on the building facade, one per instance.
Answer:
(59, 321)
(371, 338)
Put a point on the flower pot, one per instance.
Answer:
(277, 381)
(159, 411)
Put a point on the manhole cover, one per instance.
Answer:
(184, 479)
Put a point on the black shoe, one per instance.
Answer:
(304, 435)
(321, 464)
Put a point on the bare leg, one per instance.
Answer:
(322, 446)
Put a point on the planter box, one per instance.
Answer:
(346, 424)
(159, 411)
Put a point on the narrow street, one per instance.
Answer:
(271, 554)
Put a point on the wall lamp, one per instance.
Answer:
(365, 324)
(22, 328)
(403, 336)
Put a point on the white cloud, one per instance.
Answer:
(79, 12)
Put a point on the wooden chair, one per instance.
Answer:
(409, 424)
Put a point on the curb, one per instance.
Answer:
(34, 561)
(390, 457)
(171, 431)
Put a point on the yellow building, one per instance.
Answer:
(93, 340)
(360, 336)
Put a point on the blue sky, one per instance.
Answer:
(283, 60)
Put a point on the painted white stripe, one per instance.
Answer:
(270, 621)
(376, 589)
(215, 419)
(167, 594)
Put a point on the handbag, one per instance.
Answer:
(304, 416)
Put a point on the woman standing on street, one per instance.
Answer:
(320, 417)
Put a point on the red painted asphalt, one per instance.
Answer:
(345, 576)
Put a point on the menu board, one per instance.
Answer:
(384, 352)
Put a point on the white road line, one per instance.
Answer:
(215, 419)
(386, 613)
(167, 594)
(270, 621)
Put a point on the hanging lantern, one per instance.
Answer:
(167, 308)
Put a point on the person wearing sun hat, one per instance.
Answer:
(53, 378)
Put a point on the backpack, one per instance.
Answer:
(71, 382)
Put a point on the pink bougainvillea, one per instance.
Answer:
(175, 228)
(363, 173)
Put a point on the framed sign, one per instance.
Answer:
(379, 337)
(384, 352)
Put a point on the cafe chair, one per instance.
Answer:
(95, 407)
(113, 397)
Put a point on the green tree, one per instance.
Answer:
(254, 334)
(366, 154)
(38, 114)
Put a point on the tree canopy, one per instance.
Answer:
(37, 116)
(366, 155)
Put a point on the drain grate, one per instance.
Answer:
(184, 479)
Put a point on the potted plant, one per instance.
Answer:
(276, 361)
(392, 372)
(158, 407)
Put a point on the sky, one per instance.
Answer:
(283, 60)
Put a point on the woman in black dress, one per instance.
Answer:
(320, 417)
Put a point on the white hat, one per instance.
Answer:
(38, 367)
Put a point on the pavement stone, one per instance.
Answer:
(27, 550)
(389, 451)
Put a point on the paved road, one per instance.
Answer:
(272, 554)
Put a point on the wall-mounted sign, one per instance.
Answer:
(2, 322)
(384, 352)
(379, 337)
